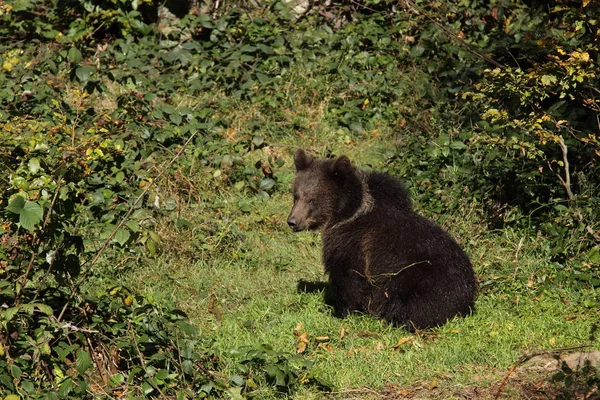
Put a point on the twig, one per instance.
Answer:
(164, 168)
(95, 360)
(371, 278)
(591, 232)
(526, 357)
(141, 356)
(566, 182)
(516, 258)
(75, 328)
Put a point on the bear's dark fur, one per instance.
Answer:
(382, 258)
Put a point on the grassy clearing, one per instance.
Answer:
(258, 282)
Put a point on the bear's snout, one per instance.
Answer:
(293, 223)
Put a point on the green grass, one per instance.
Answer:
(244, 290)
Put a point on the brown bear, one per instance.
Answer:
(382, 257)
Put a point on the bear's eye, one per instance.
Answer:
(312, 202)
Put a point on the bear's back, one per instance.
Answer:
(388, 191)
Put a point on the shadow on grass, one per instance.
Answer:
(311, 287)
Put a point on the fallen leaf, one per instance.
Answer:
(301, 348)
(433, 384)
(298, 328)
(303, 337)
(302, 342)
(342, 332)
(401, 341)
(322, 338)
(367, 334)
(326, 346)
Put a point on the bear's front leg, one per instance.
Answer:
(346, 292)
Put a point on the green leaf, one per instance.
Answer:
(8, 384)
(188, 367)
(265, 49)
(116, 379)
(262, 78)
(206, 388)
(16, 371)
(236, 380)
(271, 370)
(168, 109)
(548, 79)
(31, 214)
(133, 225)
(84, 361)
(187, 328)
(280, 378)
(27, 386)
(266, 184)
(83, 73)
(65, 387)
(235, 393)
(74, 55)
(33, 165)
(175, 118)
(147, 388)
(16, 205)
(46, 309)
(122, 236)
(258, 140)
(457, 145)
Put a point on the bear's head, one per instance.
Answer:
(324, 191)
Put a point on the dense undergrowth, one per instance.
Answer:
(114, 120)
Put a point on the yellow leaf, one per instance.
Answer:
(128, 300)
(507, 25)
(115, 290)
(433, 384)
(298, 328)
(586, 2)
(302, 342)
(301, 348)
(303, 338)
(401, 341)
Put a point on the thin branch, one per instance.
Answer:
(163, 169)
(141, 356)
(566, 182)
(591, 232)
(516, 261)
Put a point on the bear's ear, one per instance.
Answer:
(341, 167)
(301, 160)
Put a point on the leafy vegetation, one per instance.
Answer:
(145, 170)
